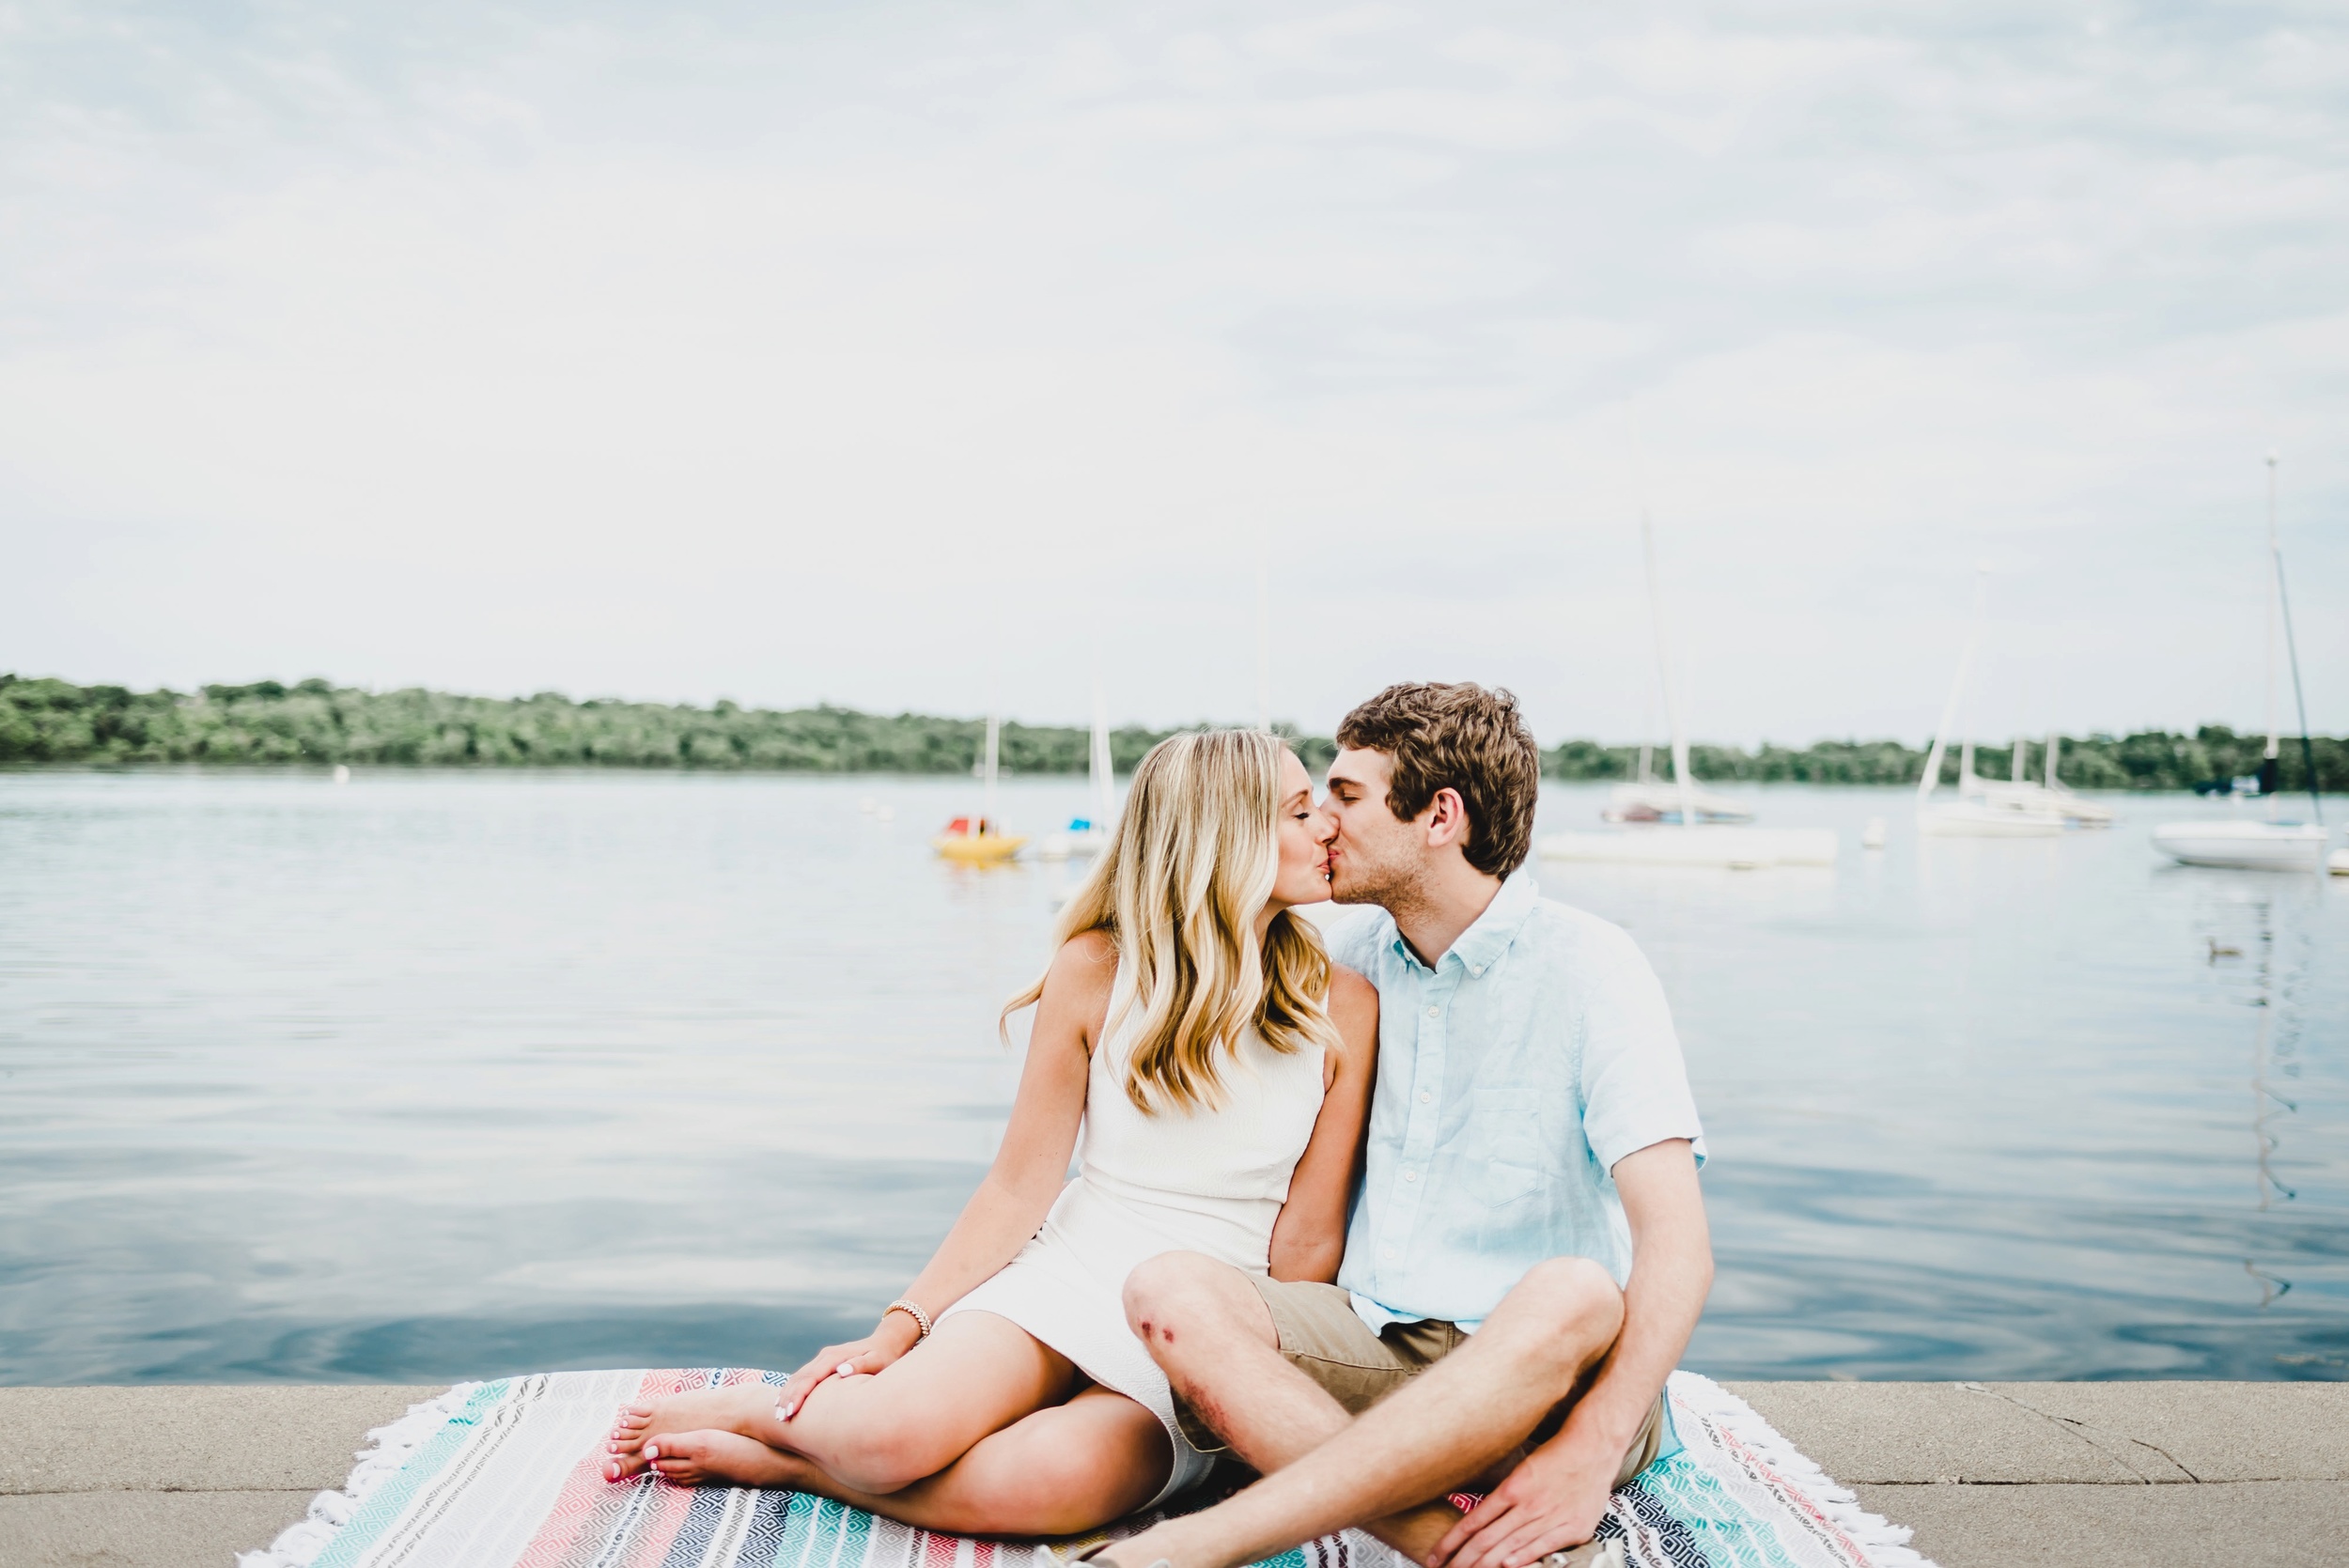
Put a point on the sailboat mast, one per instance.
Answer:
(1264, 648)
(2275, 591)
(2292, 646)
(1104, 785)
(986, 808)
(1664, 669)
(1932, 780)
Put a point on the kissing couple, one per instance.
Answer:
(1395, 1220)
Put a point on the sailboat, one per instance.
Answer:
(981, 840)
(1682, 834)
(1648, 798)
(2018, 792)
(2272, 845)
(1089, 835)
(1973, 813)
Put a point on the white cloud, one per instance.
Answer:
(891, 355)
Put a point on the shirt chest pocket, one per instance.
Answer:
(1506, 1154)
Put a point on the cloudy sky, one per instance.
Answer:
(895, 355)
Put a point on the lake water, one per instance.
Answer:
(451, 1074)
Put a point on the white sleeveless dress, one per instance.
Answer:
(1210, 1180)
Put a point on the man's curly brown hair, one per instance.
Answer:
(1457, 736)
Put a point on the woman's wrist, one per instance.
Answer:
(899, 1329)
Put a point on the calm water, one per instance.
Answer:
(455, 1074)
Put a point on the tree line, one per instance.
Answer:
(316, 723)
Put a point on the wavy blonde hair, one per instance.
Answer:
(1191, 860)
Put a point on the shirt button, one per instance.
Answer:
(1434, 1012)
(1410, 1175)
(1386, 1254)
(1425, 1096)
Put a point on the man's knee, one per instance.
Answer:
(1570, 1303)
(1179, 1299)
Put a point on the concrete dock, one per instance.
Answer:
(1997, 1475)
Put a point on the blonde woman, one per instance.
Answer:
(1192, 1026)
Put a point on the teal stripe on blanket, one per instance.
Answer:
(798, 1527)
(1719, 1526)
(384, 1508)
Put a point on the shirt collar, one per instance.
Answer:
(1490, 935)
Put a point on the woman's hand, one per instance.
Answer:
(896, 1334)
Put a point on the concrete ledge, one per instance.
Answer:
(2006, 1434)
(2240, 1524)
(141, 1529)
(2255, 1475)
(254, 1437)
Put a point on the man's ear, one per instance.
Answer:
(1447, 819)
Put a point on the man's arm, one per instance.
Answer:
(1555, 1499)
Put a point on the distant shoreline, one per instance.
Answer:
(314, 724)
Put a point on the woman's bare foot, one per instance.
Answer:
(728, 1459)
(733, 1409)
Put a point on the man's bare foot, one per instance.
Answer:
(736, 1408)
(726, 1459)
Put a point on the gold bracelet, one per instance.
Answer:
(921, 1318)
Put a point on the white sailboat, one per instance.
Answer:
(1973, 813)
(1681, 834)
(1090, 835)
(2018, 792)
(1648, 798)
(2250, 845)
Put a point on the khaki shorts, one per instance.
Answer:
(1324, 1338)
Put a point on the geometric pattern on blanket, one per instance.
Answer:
(509, 1474)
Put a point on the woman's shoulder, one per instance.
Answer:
(1080, 975)
(1087, 956)
(1353, 1004)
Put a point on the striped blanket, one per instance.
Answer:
(510, 1475)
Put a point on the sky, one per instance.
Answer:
(926, 356)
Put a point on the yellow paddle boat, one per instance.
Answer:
(980, 840)
(976, 841)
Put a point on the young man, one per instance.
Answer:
(1528, 1253)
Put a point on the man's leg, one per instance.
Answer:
(1213, 1336)
(1451, 1423)
(1211, 1333)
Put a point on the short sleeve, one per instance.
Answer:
(1635, 1087)
(1354, 937)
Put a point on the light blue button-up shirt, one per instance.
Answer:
(1512, 1076)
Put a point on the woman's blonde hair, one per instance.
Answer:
(1191, 860)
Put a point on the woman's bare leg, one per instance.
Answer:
(1058, 1471)
(977, 1375)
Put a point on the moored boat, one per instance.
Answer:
(2246, 846)
(2242, 844)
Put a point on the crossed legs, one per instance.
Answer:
(1386, 1469)
(980, 1429)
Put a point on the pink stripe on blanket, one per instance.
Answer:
(591, 1515)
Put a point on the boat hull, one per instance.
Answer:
(2244, 845)
(978, 848)
(1972, 819)
(1739, 848)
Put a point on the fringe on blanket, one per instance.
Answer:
(1886, 1543)
(298, 1545)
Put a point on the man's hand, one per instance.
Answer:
(1552, 1500)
